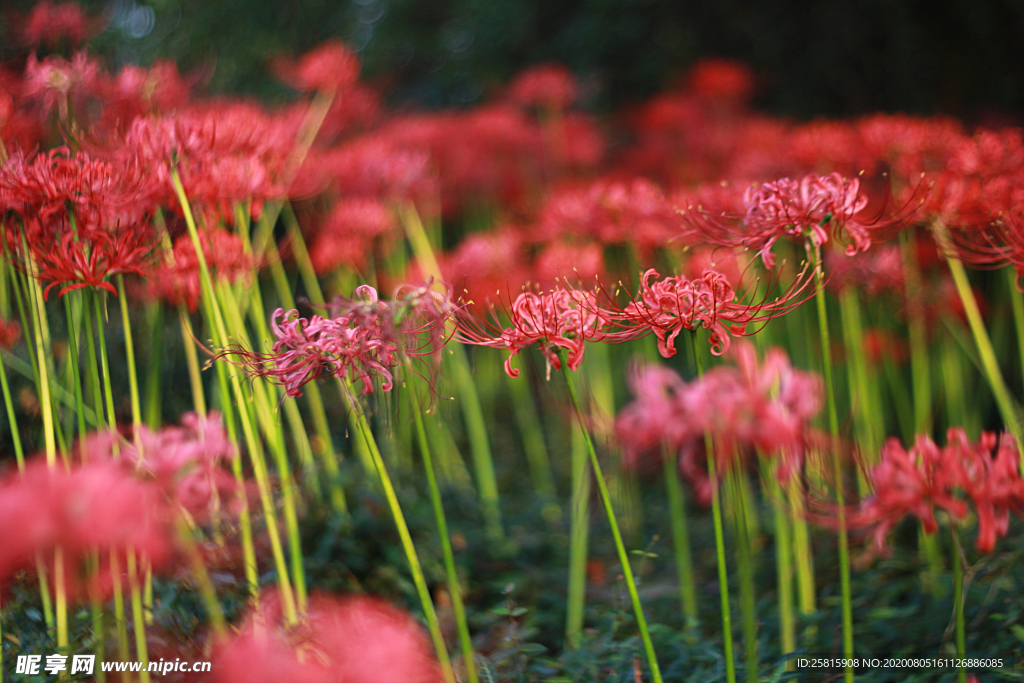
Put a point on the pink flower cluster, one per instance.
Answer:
(985, 474)
(753, 407)
(361, 340)
(348, 640)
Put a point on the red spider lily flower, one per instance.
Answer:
(77, 261)
(992, 480)
(559, 319)
(915, 481)
(668, 306)
(362, 339)
(548, 86)
(758, 406)
(909, 145)
(53, 23)
(811, 209)
(330, 67)
(636, 213)
(356, 639)
(177, 280)
(490, 154)
(98, 505)
(765, 406)
(225, 154)
(57, 84)
(139, 91)
(348, 234)
(370, 166)
(653, 421)
(100, 193)
(830, 147)
(927, 477)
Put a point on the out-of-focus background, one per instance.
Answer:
(957, 57)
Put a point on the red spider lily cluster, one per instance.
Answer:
(755, 407)
(688, 217)
(983, 474)
(361, 340)
(121, 497)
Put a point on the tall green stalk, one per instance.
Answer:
(716, 513)
(579, 532)
(469, 399)
(958, 600)
(465, 641)
(741, 508)
(419, 580)
(837, 466)
(627, 570)
(989, 362)
(255, 448)
(680, 538)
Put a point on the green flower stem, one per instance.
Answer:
(716, 513)
(680, 538)
(108, 392)
(917, 335)
(154, 364)
(258, 315)
(1017, 305)
(206, 589)
(465, 640)
(73, 317)
(216, 320)
(602, 488)
(133, 376)
(120, 620)
(138, 616)
(579, 532)
(958, 600)
(359, 417)
(740, 504)
(476, 429)
(537, 458)
(1005, 402)
(783, 559)
(837, 466)
(262, 406)
(864, 397)
(252, 577)
(12, 420)
(328, 454)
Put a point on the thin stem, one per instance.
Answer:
(403, 533)
(833, 422)
(716, 513)
(783, 560)
(216, 319)
(133, 377)
(744, 562)
(680, 538)
(533, 445)
(138, 616)
(990, 364)
(627, 570)
(579, 533)
(476, 429)
(958, 602)
(465, 640)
